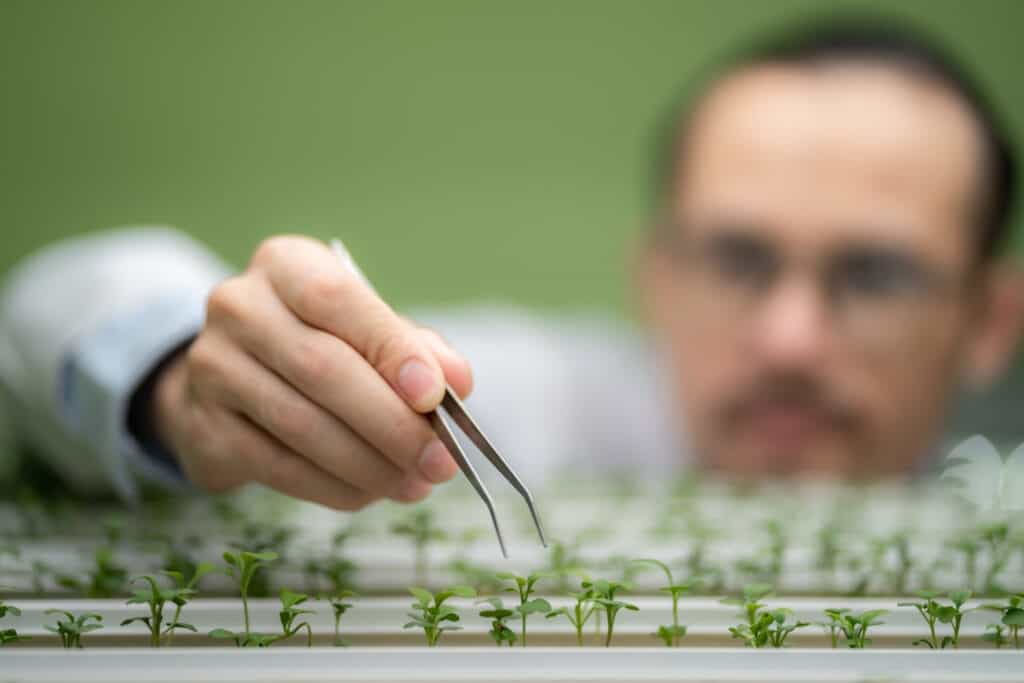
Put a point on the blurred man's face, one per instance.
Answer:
(812, 281)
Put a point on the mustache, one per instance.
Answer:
(791, 391)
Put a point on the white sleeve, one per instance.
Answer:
(82, 324)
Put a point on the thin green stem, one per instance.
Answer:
(170, 630)
(309, 634)
(154, 628)
(245, 611)
(611, 627)
(675, 619)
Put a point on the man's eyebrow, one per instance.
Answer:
(888, 250)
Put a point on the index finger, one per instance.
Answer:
(314, 284)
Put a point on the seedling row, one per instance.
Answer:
(163, 606)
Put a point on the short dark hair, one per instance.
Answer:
(879, 40)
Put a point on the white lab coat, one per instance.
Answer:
(84, 321)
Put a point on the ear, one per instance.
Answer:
(998, 326)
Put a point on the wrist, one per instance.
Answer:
(167, 401)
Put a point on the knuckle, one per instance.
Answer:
(319, 294)
(271, 249)
(228, 301)
(201, 360)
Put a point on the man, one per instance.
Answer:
(820, 279)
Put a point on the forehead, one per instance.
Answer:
(854, 149)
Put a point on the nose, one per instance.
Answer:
(791, 330)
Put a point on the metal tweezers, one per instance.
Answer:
(453, 406)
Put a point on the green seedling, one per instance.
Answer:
(9, 635)
(339, 607)
(581, 611)
(897, 574)
(853, 627)
(672, 633)
(995, 634)
(180, 555)
(829, 547)
(6, 609)
(337, 571)
(498, 614)
(927, 572)
(40, 572)
(524, 588)
(996, 539)
(564, 561)
(1012, 612)
(106, 579)
(243, 640)
(156, 599)
(291, 610)
(969, 547)
(422, 530)
(765, 565)
(933, 613)
(186, 590)
(113, 530)
(834, 625)
(71, 628)
(242, 567)
(763, 627)
(751, 603)
(705, 576)
(468, 572)
(770, 628)
(604, 598)
(482, 578)
(260, 539)
(432, 614)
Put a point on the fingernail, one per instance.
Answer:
(416, 380)
(435, 463)
(413, 490)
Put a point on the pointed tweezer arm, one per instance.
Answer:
(453, 406)
(457, 411)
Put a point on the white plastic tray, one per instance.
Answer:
(529, 665)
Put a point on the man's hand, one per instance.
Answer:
(302, 379)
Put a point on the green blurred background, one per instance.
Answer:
(464, 150)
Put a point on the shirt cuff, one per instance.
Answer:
(102, 371)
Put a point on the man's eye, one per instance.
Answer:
(878, 275)
(742, 262)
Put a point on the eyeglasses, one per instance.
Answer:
(876, 296)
